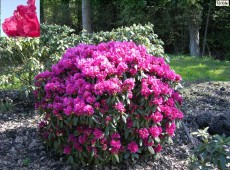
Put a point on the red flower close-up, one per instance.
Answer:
(24, 21)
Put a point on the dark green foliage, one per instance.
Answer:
(171, 19)
(6, 105)
(213, 151)
(218, 37)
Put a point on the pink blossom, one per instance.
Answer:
(158, 148)
(102, 140)
(68, 110)
(67, 150)
(88, 110)
(77, 146)
(82, 139)
(104, 147)
(121, 68)
(155, 131)
(71, 138)
(157, 117)
(98, 134)
(115, 136)
(115, 143)
(128, 84)
(143, 133)
(114, 150)
(170, 128)
(132, 147)
(129, 123)
(158, 101)
(120, 107)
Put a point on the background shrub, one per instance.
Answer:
(108, 102)
(29, 56)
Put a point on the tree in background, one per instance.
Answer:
(179, 23)
(193, 14)
(86, 17)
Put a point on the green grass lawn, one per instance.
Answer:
(200, 69)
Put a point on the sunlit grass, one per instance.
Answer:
(204, 69)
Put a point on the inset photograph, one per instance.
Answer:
(20, 18)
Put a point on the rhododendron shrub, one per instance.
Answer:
(108, 102)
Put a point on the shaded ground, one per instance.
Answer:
(20, 147)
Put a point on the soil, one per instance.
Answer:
(21, 147)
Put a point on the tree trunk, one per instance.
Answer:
(194, 41)
(86, 19)
(206, 29)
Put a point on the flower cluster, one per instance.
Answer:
(24, 21)
(108, 102)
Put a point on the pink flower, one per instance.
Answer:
(103, 140)
(77, 147)
(129, 123)
(82, 139)
(67, 150)
(42, 124)
(155, 131)
(147, 143)
(157, 117)
(132, 147)
(170, 129)
(88, 110)
(128, 84)
(158, 148)
(115, 150)
(115, 143)
(121, 68)
(120, 107)
(177, 97)
(143, 133)
(71, 138)
(68, 110)
(115, 136)
(104, 147)
(24, 21)
(158, 101)
(98, 134)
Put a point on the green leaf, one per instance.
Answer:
(126, 133)
(127, 155)
(136, 155)
(75, 120)
(124, 119)
(222, 162)
(116, 157)
(95, 120)
(107, 131)
(170, 141)
(101, 114)
(157, 140)
(151, 150)
(92, 153)
(140, 142)
(70, 159)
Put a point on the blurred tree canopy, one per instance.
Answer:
(175, 21)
